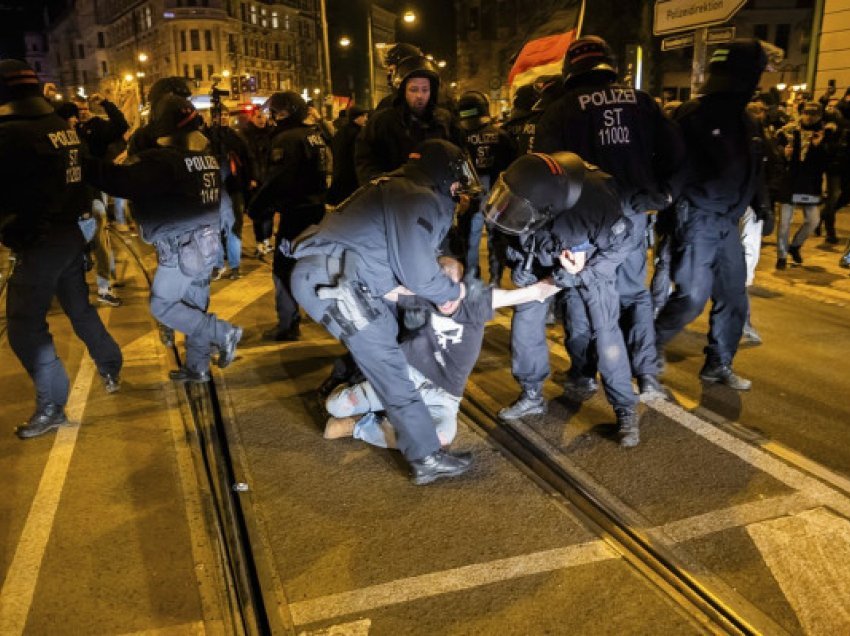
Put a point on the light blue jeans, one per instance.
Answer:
(361, 399)
(232, 243)
(811, 214)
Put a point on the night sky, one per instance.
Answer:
(17, 16)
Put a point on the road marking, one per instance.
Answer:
(19, 587)
(808, 555)
(356, 628)
(186, 629)
(454, 580)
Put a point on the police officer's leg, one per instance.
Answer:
(73, 295)
(529, 359)
(286, 306)
(693, 276)
(729, 302)
(580, 384)
(473, 257)
(636, 304)
(376, 350)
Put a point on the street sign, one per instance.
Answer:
(677, 42)
(720, 34)
(672, 16)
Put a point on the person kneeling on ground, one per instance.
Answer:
(440, 355)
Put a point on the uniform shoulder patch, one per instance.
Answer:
(426, 224)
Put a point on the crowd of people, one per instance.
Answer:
(375, 226)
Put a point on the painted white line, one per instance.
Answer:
(808, 555)
(19, 587)
(455, 580)
(186, 629)
(355, 628)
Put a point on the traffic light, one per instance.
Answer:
(248, 84)
(234, 85)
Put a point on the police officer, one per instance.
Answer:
(391, 134)
(569, 222)
(518, 126)
(296, 186)
(625, 133)
(385, 235)
(491, 150)
(146, 136)
(720, 175)
(43, 196)
(176, 190)
(393, 55)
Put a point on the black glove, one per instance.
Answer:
(564, 279)
(644, 200)
(522, 278)
(766, 215)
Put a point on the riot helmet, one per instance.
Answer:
(395, 53)
(444, 164)
(534, 190)
(736, 67)
(589, 54)
(416, 66)
(168, 86)
(473, 110)
(524, 100)
(20, 91)
(287, 104)
(175, 116)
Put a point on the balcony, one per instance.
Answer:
(194, 13)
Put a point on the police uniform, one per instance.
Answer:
(176, 190)
(299, 163)
(43, 196)
(719, 179)
(624, 132)
(386, 234)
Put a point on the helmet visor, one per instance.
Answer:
(470, 184)
(510, 213)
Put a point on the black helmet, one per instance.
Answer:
(168, 86)
(174, 116)
(416, 66)
(534, 190)
(444, 164)
(590, 54)
(524, 99)
(288, 102)
(735, 67)
(395, 53)
(473, 109)
(20, 91)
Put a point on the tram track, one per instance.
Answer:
(207, 434)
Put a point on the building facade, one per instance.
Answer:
(249, 48)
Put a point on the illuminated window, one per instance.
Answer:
(275, 21)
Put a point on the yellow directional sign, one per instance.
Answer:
(672, 16)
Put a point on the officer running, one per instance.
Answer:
(44, 196)
(387, 235)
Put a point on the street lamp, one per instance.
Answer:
(143, 57)
(225, 73)
(409, 17)
(345, 41)
(441, 64)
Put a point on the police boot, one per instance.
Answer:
(45, 419)
(628, 427)
(650, 388)
(279, 334)
(723, 374)
(439, 464)
(530, 402)
(185, 374)
(579, 389)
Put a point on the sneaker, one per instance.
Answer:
(218, 272)
(278, 334)
(781, 263)
(111, 382)
(628, 427)
(794, 251)
(166, 335)
(723, 374)
(338, 427)
(750, 335)
(650, 388)
(530, 402)
(227, 352)
(579, 389)
(844, 261)
(184, 374)
(437, 465)
(234, 274)
(44, 420)
(108, 298)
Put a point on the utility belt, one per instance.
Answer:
(195, 252)
(352, 307)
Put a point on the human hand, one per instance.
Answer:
(546, 288)
(573, 263)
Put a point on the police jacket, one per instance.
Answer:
(723, 156)
(98, 133)
(41, 179)
(232, 153)
(491, 150)
(173, 189)
(344, 173)
(521, 128)
(594, 225)
(395, 225)
(298, 166)
(259, 144)
(391, 134)
(616, 127)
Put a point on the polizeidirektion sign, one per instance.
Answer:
(683, 15)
